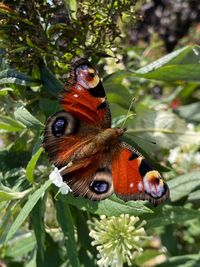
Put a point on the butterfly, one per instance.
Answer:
(80, 138)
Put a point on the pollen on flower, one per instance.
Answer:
(118, 239)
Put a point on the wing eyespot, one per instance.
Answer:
(61, 124)
(58, 127)
(99, 187)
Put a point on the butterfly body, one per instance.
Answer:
(97, 162)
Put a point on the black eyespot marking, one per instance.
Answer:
(102, 105)
(145, 167)
(99, 187)
(92, 75)
(97, 91)
(133, 156)
(58, 127)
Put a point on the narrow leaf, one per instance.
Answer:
(33, 199)
(20, 246)
(146, 256)
(111, 206)
(16, 77)
(10, 195)
(51, 84)
(9, 124)
(65, 220)
(165, 215)
(181, 65)
(37, 221)
(31, 165)
(25, 117)
(182, 261)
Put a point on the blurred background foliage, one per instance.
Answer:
(146, 50)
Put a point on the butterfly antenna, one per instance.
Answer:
(131, 104)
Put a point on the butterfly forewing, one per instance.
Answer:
(84, 96)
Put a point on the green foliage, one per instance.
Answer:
(39, 227)
(61, 30)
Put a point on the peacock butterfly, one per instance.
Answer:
(97, 162)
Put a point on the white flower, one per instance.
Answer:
(173, 155)
(57, 179)
(197, 157)
(190, 126)
(118, 239)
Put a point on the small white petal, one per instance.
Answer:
(65, 189)
(173, 155)
(56, 178)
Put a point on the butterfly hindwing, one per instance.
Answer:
(93, 180)
(135, 178)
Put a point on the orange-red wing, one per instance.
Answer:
(84, 96)
(134, 178)
(90, 177)
(64, 138)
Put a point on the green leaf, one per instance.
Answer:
(116, 98)
(187, 90)
(33, 199)
(111, 206)
(37, 221)
(31, 165)
(189, 112)
(31, 262)
(181, 65)
(72, 7)
(25, 117)
(83, 231)
(119, 120)
(116, 91)
(48, 106)
(16, 77)
(13, 159)
(20, 245)
(11, 209)
(169, 240)
(194, 196)
(51, 84)
(53, 253)
(8, 194)
(163, 127)
(165, 215)
(182, 261)
(10, 125)
(146, 256)
(182, 185)
(64, 218)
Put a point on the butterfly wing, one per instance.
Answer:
(93, 171)
(93, 180)
(135, 178)
(84, 96)
(86, 112)
(64, 136)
